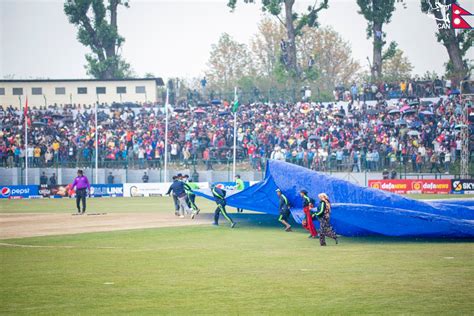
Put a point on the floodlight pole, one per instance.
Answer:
(235, 135)
(166, 135)
(96, 145)
(25, 114)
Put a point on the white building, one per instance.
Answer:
(78, 91)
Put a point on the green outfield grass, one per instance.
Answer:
(255, 268)
(116, 205)
(152, 204)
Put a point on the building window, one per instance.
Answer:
(60, 90)
(17, 91)
(121, 90)
(2, 91)
(100, 90)
(140, 89)
(82, 90)
(36, 91)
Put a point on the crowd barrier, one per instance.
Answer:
(432, 186)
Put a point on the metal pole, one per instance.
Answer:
(96, 145)
(26, 142)
(235, 135)
(166, 135)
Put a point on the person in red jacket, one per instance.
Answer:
(308, 204)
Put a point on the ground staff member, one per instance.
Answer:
(177, 187)
(191, 197)
(284, 208)
(308, 204)
(81, 184)
(322, 214)
(239, 186)
(219, 197)
(175, 199)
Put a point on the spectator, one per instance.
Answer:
(110, 178)
(145, 177)
(309, 134)
(52, 180)
(43, 179)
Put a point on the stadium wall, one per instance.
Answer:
(77, 91)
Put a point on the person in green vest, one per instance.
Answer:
(239, 186)
(219, 197)
(284, 208)
(191, 197)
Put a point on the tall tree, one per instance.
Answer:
(293, 23)
(397, 67)
(456, 42)
(97, 29)
(330, 54)
(377, 13)
(265, 46)
(229, 61)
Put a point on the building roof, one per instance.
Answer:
(159, 81)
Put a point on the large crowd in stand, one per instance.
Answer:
(419, 134)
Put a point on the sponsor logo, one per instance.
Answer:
(416, 186)
(393, 186)
(435, 186)
(376, 185)
(457, 185)
(105, 190)
(5, 191)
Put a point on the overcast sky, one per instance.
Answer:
(174, 37)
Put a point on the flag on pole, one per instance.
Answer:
(235, 106)
(25, 110)
(25, 113)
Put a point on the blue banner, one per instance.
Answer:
(18, 191)
(99, 190)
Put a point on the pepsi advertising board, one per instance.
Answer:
(229, 186)
(18, 191)
(100, 190)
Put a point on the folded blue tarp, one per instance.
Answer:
(356, 210)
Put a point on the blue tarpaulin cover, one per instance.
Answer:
(356, 210)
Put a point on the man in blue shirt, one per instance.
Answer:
(177, 187)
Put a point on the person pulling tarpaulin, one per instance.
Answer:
(308, 204)
(323, 214)
(191, 197)
(219, 197)
(284, 208)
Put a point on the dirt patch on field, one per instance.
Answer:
(47, 224)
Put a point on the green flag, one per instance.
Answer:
(235, 106)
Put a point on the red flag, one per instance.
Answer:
(456, 17)
(25, 110)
